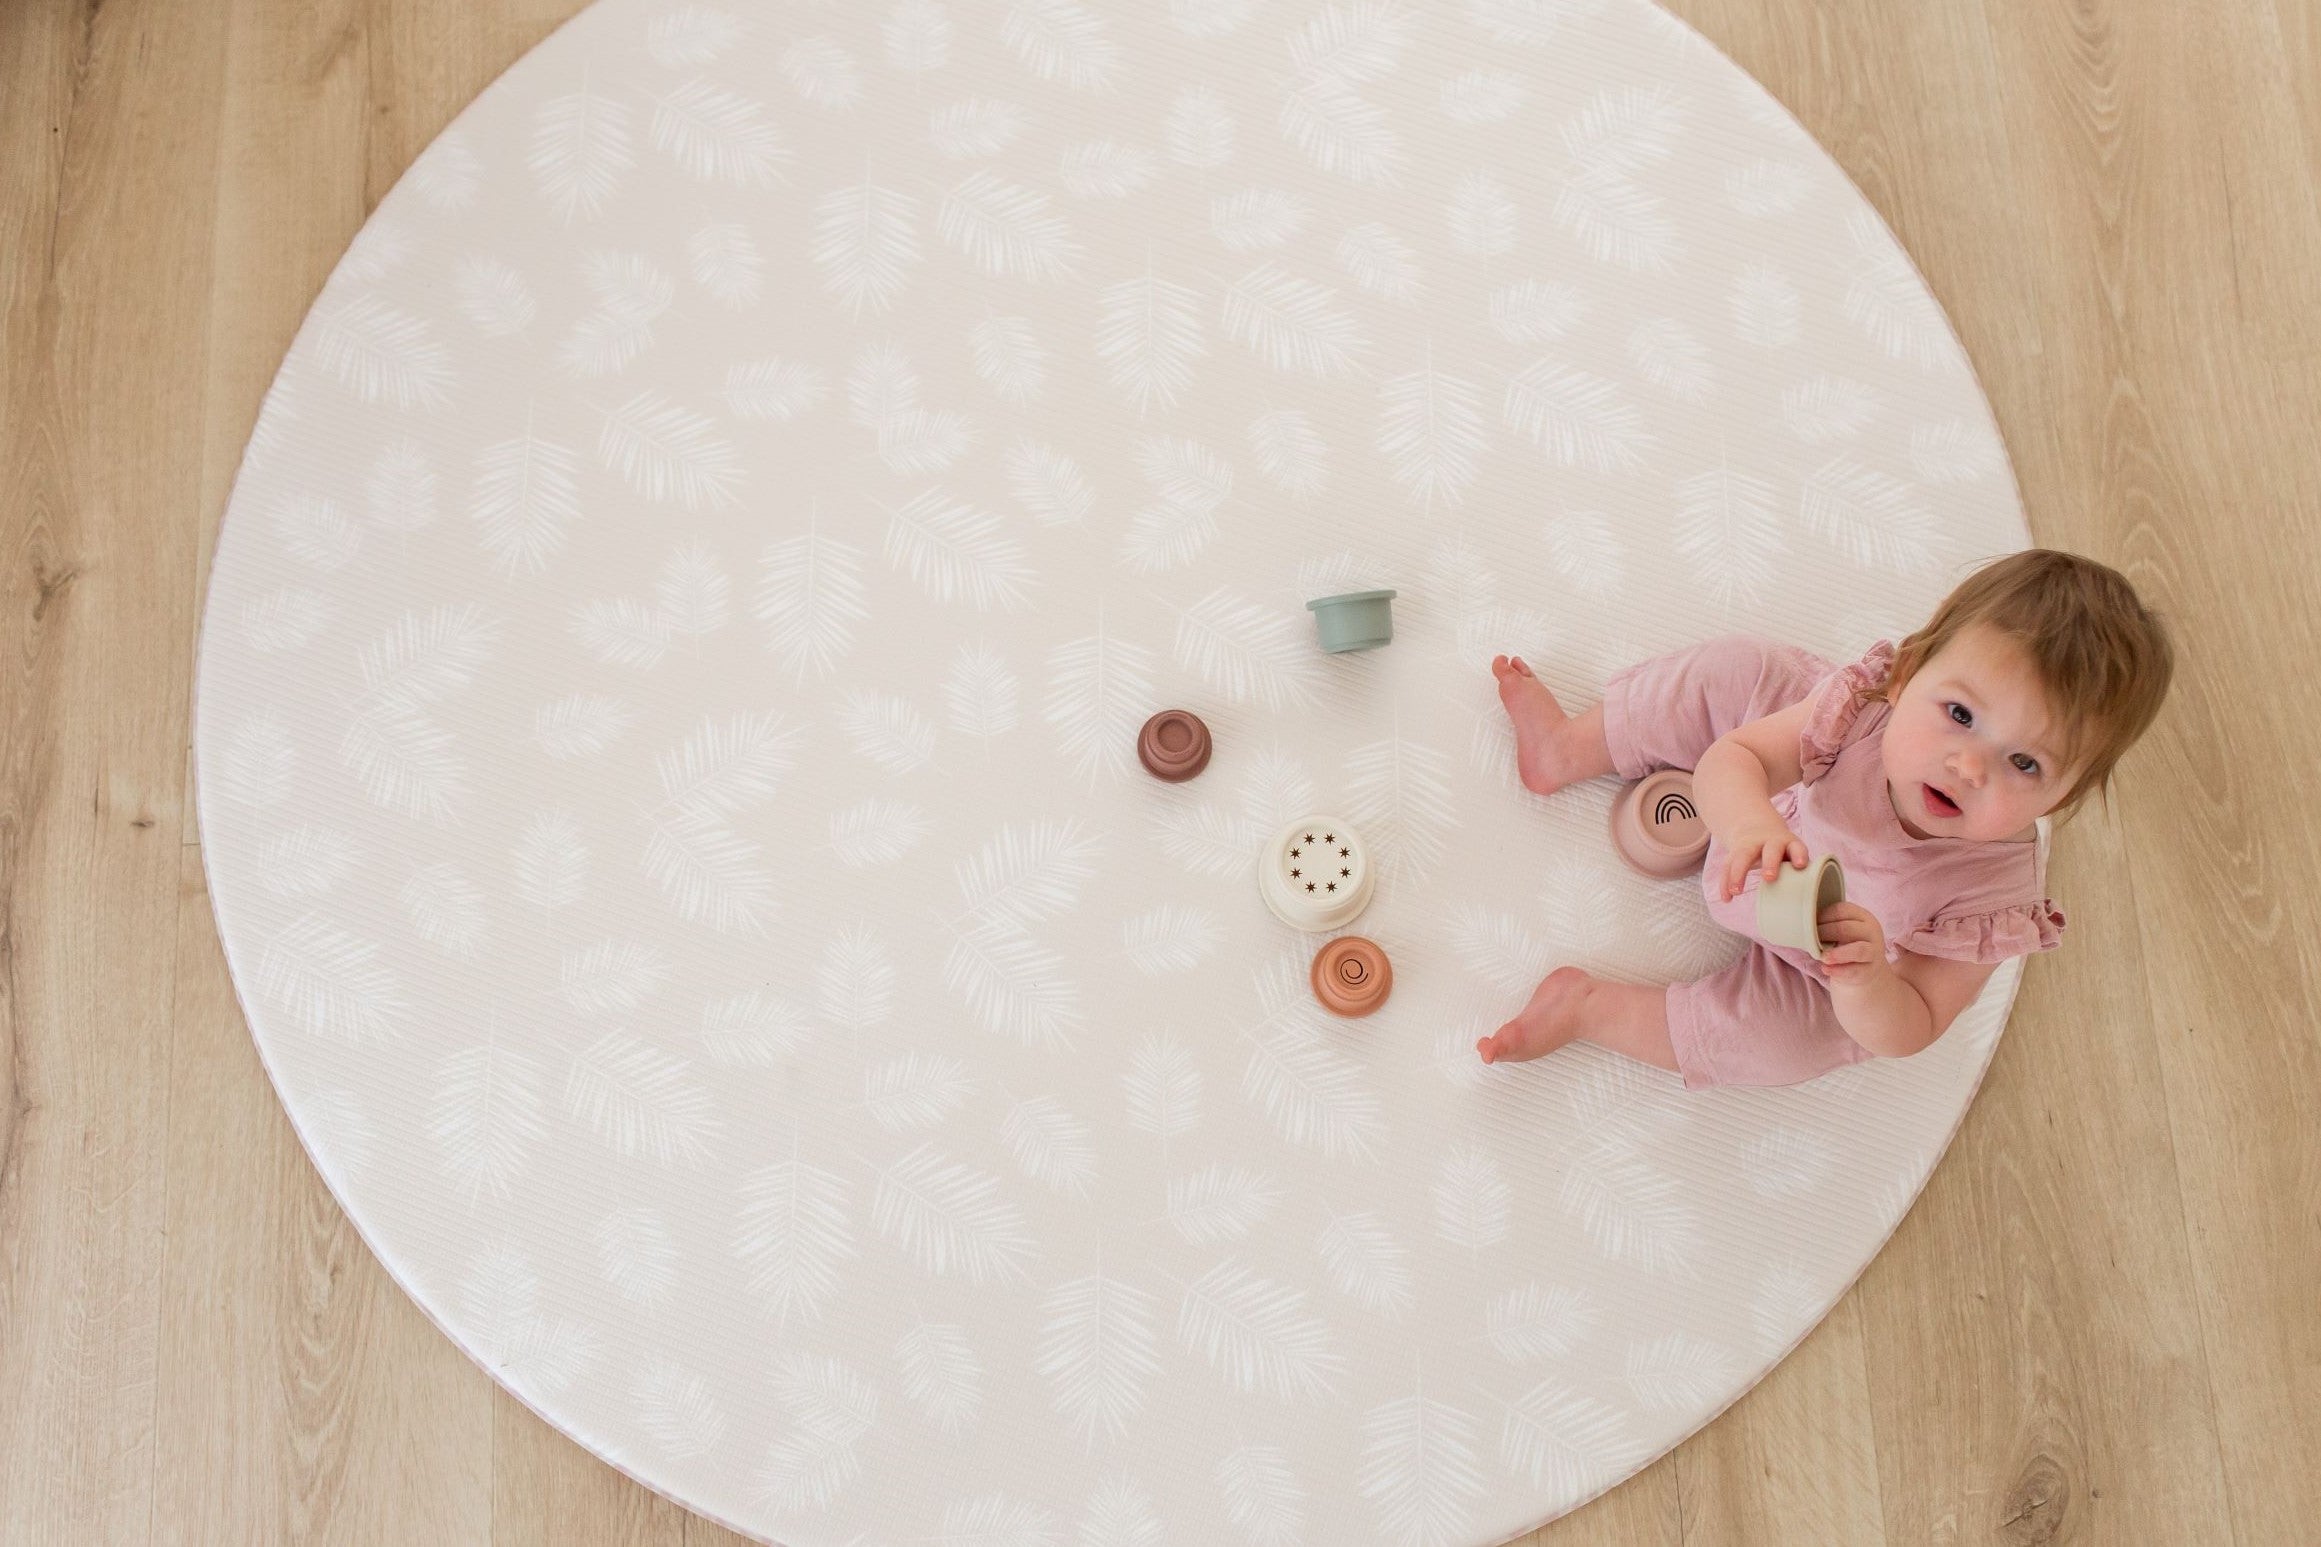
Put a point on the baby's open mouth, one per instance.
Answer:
(1937, 802)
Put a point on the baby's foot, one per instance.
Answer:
(1540, 757)
(1552, 1018)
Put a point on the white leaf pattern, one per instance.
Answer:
(1293, 324)
(1098, 690)
(641, 1101)
(1419, 1470)
(1097, 1351)
(1257, 1334)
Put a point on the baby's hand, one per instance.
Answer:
(1853, 943)
(1761, 846)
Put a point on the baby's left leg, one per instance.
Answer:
(1569, 1005)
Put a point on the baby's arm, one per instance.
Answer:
(1902, 1007)
(1733, 784)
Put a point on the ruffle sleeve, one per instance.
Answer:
(1989, 938)
(1830, 725)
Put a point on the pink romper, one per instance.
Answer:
(1767, 1019)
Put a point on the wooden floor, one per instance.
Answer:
(2102, 1323)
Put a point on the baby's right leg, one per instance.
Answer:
(1552, 749)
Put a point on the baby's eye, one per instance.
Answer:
(2025, 763)
(1960, 713)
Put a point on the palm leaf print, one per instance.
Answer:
(382, 354)
(1163, 1087)
(1290, 452)
(641, 1101)
(877, 832)
(1257, 1334)
(810, 597)
(1577, 419)
(1062, 41)
(1340, 132)
(1199, 129)
(1098, 1352)
(1257, 217)
(793, 1236)
(1008, 355)
(980, 692)
(917, 1090)
(1050, 1145)
(1245, 651)
(1366, 1263)
(495, 298)
(829, 1407)
(669, 454)
(1098, 692)
(975, 127)
(580, 148)
(941, 1375)
(1313, 1093)
(485, 1118)
(776, 390)
(527, 496)
(1102, 169)
(611, 975)
(1047, 483)
(1420, 1471)
(1170, 938)
(1293, 324)
(709, 874)
(1221, 1203)
(1262, 1496)
(1430, 430)
(1028, 871)
(1013, 985)
(1148, 335)
(958, 553)
(823, 73)
(865, 242)
(1877, 520)
(756, 1030)
(1005, 228)
(1382, 263)
(1530, 1323)
(918, 36)
(678, 1410)
(1564, 1440)
(950, 1220)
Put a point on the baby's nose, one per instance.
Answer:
(1969, 766)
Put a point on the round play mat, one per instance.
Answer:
(668, 735)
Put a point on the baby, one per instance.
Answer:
(1923, 767)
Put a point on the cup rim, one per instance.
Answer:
(1319, 602)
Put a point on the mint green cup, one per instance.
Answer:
(1357, 620)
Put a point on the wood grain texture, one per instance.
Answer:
(2098, 1325)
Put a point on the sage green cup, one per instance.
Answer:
(1789, 906)
(1357, 620)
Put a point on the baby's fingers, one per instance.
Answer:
(1797, 855)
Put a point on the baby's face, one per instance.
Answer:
(1970, 751)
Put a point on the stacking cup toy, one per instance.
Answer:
(1657, 828)
(1789, 906)
(1357, 620)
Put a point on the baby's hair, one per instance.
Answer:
(2102, 656)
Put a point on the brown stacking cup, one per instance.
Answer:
(1174, 745)
(1352, 976)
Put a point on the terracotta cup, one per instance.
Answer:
(1351, 976)
(1789, 906)
(1174, 745)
